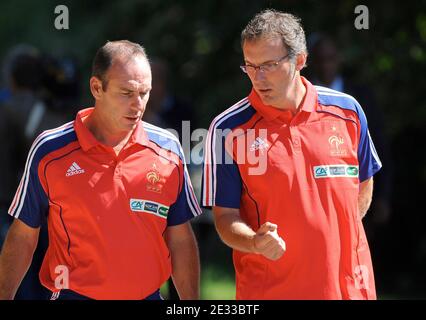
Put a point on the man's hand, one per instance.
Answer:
(268, 243)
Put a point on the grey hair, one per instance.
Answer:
(270, 24)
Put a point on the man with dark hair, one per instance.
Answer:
(288, 172)
(116, 194)
(105, 55)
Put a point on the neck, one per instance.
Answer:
(104, 132)
(294, 96)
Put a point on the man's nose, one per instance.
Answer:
(259, 74)
(137, 101)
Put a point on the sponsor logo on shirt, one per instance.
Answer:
(352, 171)
(151, 207)
(74, 169)
(333, 171)
(321, 171)
(136, 205)
(337, 171)
(259, 144)
(140, 205)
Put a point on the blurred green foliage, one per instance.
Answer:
(200, 40)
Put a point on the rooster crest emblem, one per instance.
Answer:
(336, 148)
(153, 177)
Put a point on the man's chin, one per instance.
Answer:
(267, 99)
(129, 127)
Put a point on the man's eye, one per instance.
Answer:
(126, 93)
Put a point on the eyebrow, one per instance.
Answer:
(144, 90)
(268, 61)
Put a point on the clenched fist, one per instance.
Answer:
(268, 243)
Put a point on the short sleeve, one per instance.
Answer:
(30, 204)
(186, 206)
(368, 159)
(222, 183)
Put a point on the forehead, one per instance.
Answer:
(133, 71)
(264, 48)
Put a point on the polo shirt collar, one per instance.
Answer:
(87, 140)
(271, 113)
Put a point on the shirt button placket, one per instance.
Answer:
(117, 169)
(295, 138)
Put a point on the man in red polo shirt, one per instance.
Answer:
(116, 194)
(288, 172)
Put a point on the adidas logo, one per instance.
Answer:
(74, 169)
(259, 144)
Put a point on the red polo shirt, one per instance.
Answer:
(302, 173)
(107, 213)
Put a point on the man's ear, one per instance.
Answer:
(96, 87)
(301, 61)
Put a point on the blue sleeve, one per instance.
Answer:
(186, 206)
(222, 183)
(30, 204)
(368, 159)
